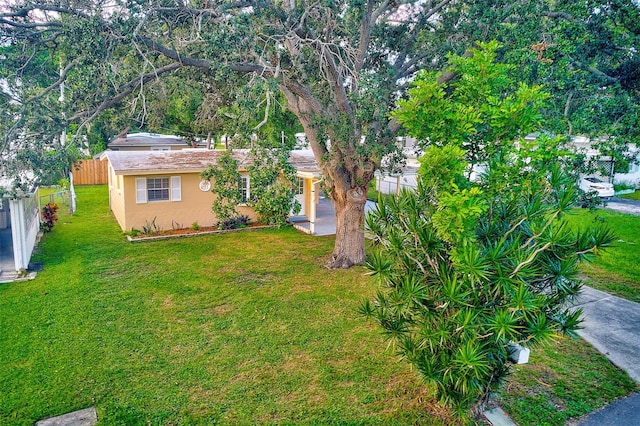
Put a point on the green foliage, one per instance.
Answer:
(225, 178)
(273, 185)
(236, 222)
(478, 111)
(150, 228)
(583, 52)
(466, 268)
(49, 217)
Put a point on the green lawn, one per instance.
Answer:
(632, 196)
(233, 329)
(245, 328)
(617, 270)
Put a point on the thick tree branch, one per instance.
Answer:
(241, 67)
(365, 35)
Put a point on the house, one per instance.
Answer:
(151, 142)
(165, 188)
(19, 229)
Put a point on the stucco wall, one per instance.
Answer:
(195, 206)
(116, 199)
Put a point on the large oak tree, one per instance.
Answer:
(339, 65)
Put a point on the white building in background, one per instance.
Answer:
(584, 145)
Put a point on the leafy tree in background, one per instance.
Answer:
(465, 268)
(583, 52)
(273, 185)
(225, 184)
(339, 65)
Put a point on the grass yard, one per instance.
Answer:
(632, 196)
(245, 328)
(617, 270)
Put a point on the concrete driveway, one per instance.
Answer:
(612, 325)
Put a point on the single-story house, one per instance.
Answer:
(165, 187)
(151, 142)
(19, 228)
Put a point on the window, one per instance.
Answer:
(244, 187)
(158, 189)
(300, 190)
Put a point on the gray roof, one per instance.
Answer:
(147, 139)
(190, 161)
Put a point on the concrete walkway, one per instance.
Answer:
(612, 325)
(325, 223)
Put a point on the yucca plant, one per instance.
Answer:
(468, 268)
(464, 275)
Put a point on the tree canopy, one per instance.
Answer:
(338, 66)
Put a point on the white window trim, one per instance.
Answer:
(141, 190)
(175, 189)
(175, 186)
(244, 177)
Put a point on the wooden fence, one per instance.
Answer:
(90, 172)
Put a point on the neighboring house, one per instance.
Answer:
(165, 187)
(19, 228)
(151, 142)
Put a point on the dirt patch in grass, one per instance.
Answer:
(220, 310)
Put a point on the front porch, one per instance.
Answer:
(325, 218)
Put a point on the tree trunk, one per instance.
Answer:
(340, 171)
(349, 245)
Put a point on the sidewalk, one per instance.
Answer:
(612, 325)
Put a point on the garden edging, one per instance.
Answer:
(195, 234)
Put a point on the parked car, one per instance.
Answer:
(593, 184)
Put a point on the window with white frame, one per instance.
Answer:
(158, 189)
(245, 188)
(300, 189)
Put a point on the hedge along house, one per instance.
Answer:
(165, 188)
(19, 229)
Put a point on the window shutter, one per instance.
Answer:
(176, 188)
(141, 190)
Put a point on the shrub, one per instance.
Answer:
(49, 217)
(236, 222)
(150, 228)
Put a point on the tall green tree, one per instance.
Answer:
(467, 269)
(584, 53)
(339, 65)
